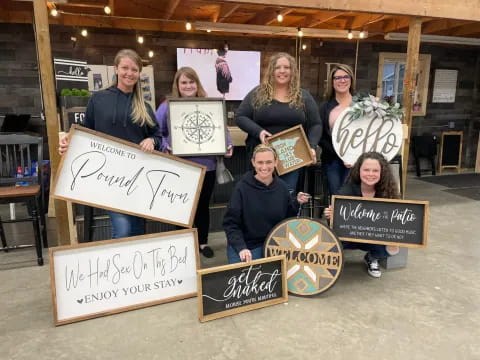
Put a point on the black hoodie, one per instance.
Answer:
(254, 209)
(109, 111)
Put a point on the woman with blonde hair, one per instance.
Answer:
(277, 104)
(340, 88)
(121, 111)
(186, 84)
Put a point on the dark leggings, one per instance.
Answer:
(202, 216)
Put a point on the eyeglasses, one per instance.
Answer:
(344, 77)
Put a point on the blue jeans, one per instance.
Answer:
(233, 257)
(291, 179)
(124, 225)
(336, 174)
(376, 251)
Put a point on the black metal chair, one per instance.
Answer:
(17, 152)
(424, 146)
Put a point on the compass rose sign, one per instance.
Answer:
(197, 126)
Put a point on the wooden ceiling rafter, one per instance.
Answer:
(224, 12)
(268, 16)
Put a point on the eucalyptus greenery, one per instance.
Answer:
(368, 105)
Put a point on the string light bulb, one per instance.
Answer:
(84, 33)
(54, 12)
(300, 32)
(208, 30)
(279, 17)
(188, 26)
(304, 47)
(107, 10)
(361, 35)
(140, 39)
(350, 35)
(151, 54)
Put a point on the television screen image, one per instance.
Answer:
(228, 74)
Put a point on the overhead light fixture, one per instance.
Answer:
(84, 33)
(279, 17)
(107, 10)
(188, 26)
(150, 54)
(361, 34)
(350, 35)
(440, 39)
(304, 47)
(54, 11)
(140, 39)
(273, 30)
(208, 30)
(299, 32)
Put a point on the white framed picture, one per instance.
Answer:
(197, 126)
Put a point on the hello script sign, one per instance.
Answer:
(114, 174)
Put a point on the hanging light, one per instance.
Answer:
(107, 10)
(151, 54)
(188, 26)
(279, 17)
(361, 35)
(54, 11)
(208, 30)
(304, 47)
(300, 32)
(350, 34)
(84, 32)
(140, 39)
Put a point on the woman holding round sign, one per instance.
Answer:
(121, 111)
(340, 88)
(278, 104)
(259, 202)
(370, 177)
(186, 84)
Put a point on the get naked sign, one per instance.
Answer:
(101, 278)
(114, 174)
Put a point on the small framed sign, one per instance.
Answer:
(102, 278)
(292, 148)
(232, 289)
(197, 126)
(380, 221)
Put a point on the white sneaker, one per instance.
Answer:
(373, 268)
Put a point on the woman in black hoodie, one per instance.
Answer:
(121, 111)
(259, 202)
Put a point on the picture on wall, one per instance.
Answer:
(223, 73)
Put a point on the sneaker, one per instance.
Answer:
(207, 251)
(373, 268)
(392, 250)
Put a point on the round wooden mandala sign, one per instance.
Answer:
(313, 252)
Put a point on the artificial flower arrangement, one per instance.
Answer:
(371, 106)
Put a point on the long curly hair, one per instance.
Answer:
(265, 93)
(386, 187)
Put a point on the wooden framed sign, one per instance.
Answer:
(197, 126)
(102, 278)
(232, 289)
(313, 252)
(380, 221)
(110, 173)
(292, 148)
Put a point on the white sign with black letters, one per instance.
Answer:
(113, 174)
(101, 278)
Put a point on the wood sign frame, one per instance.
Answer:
(197, 126)
(95, 279)
(291, 156)
(364, 224)
(446, 143)
(73, 110)
(154, 185)
(245, 280)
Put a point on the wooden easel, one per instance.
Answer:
(450, 151)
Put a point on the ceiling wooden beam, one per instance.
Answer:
(470, 29)
(461, 10)
(435, 26)
(395, 24)
(224, 11)
(268, 16)
(317, 18)
(170, 6)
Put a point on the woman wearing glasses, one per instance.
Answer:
(340, 87)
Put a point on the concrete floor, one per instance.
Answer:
(428, 310)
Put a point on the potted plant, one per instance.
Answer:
(74, 98)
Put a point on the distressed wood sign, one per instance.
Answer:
(292, 148)
(102, 278)
(232, 289)
(380, 221)
(313, 253)
(110, 173)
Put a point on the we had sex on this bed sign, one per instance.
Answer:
(232, 289)
(110, 173)
(107, 277)
(380, 221)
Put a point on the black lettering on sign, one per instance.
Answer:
(240, 287)
(380, 221)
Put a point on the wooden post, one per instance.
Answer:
(44, 51)
(409, 84)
